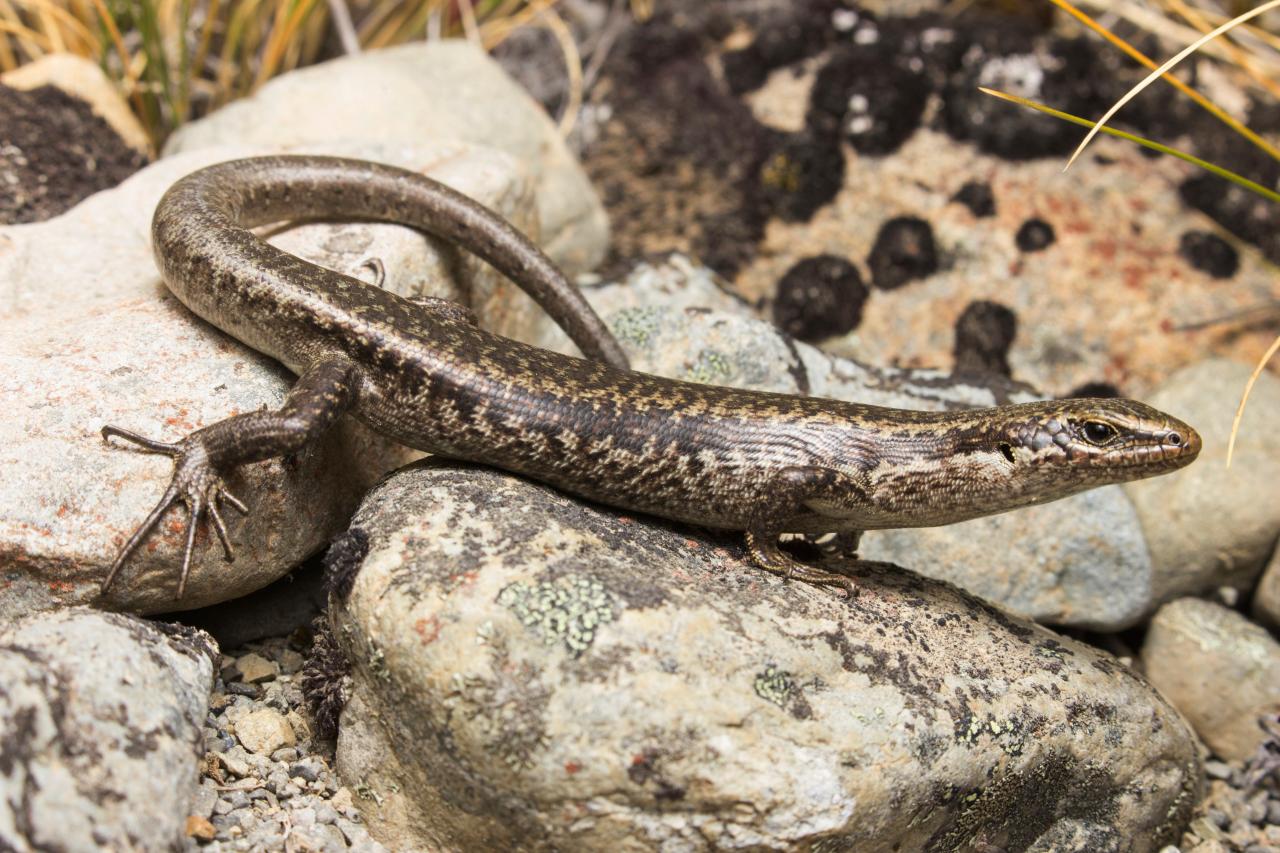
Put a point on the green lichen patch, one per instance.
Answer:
(709, 367)
(637, 326)
(568, 610)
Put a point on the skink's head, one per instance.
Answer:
(1097, 441)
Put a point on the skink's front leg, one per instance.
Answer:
(320, 396)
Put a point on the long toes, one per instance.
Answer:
(221, 529)
(195, 508)
(142, 441)
(223, 494)
(169, 498)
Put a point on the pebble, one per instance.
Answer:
(264, 731)
(1220, 670)
(255, 668)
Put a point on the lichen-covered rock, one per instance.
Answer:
(1209, 525)
(100, 735)
(1219, 669)
(422, 92)
(531, 670)
(1082, 561)
(91, 337)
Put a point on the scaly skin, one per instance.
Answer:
(422, 373)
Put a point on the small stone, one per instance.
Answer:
(1209, 253)
(326, 813)
(1273, 812)
(222, 806)
(254, 668)
(264, 731)
(200, 827)
(308, 770)
(1206, 829)
(1215, 769)
(234, 760)
(291, 661)
(1035, 235)
(903, 251)
(1218, 668)
(343, 800)
(285, 754)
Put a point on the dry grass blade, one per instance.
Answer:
(1143, 59)
(573, 66)
(1244, 398)
(1239, 56)
(1164, 69)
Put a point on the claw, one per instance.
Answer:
(146, 443)
(196, 484)
(223, 494)
(220, 528)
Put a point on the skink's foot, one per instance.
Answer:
(195, 483)
(768, 556)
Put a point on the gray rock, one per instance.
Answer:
(1266, 597)
(1081, 562)
(528, 668)
(100, 719)
(82, 317)
(415, 93)
(1219, 669)
(1208, 525)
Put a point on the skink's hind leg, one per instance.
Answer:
(435, 304)
(321, 394)
(792, 491)
(763, 546)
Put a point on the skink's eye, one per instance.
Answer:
(1097, 432)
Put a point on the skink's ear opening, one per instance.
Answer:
(1007, 450)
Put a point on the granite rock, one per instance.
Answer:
(1209, 525)
(416, 93)
(1218, 668)
(530, 669)
(91, 337)
(100, 717)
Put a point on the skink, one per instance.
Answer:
(421, 372)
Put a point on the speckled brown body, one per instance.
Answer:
(426, 376)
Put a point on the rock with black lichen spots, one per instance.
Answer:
(100, 717)
(529, 669)
(1219, 669)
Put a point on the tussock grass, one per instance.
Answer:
(175, 60)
